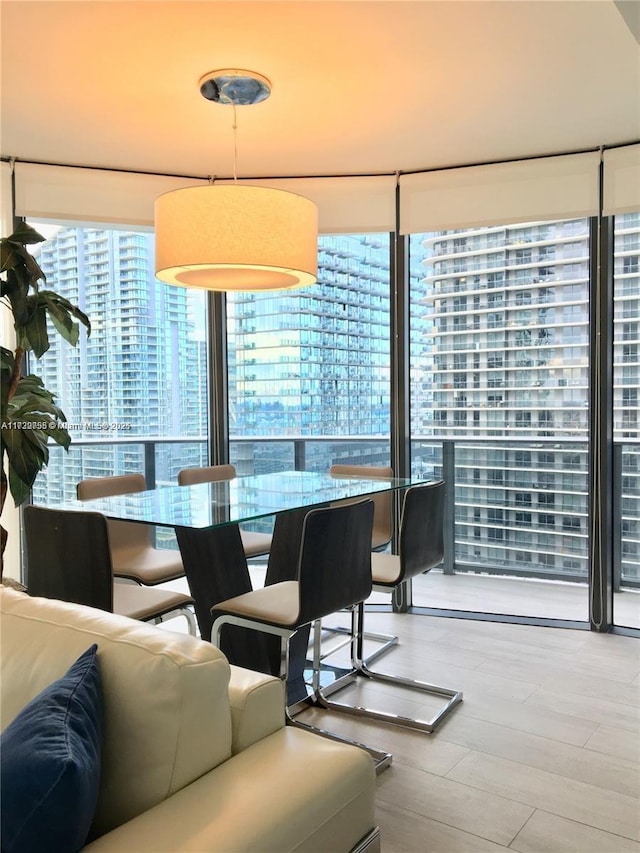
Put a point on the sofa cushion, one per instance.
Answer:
(292, 792)
(167, 719)
(50, 763)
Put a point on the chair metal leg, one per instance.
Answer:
(388, 642)
(369, 844)
(189, 615)
(454, 697)
(381, 759)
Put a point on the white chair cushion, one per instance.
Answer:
(385, 568)
(278, 603)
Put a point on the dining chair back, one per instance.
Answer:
(207, 474)
(421, 534)
(105, 487)
(421, 548)
(133, 553)
(382, 534)
(123, 534)
(333, 538)
(69, 558)
(255, 543)
(383, 502)
(333, 571)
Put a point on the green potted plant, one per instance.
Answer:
(29, 416)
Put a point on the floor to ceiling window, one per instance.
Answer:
(626, 485)
(492, 380)
(309, 368)
(135, 391)
(499, 407)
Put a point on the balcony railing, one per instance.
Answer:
(511, 498)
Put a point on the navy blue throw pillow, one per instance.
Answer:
(50, 764)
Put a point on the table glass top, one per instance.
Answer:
(230, 501)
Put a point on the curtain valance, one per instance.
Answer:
(621, 180)
(63, 193)
(561, 187)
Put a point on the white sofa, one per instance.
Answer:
(195, 753)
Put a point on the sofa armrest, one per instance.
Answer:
(257, 706)
(292, 792)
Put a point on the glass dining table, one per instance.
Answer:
(206, 519)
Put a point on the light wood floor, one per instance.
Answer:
(542, 755)
(518, 596)
(484, 593)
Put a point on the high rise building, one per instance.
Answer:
(499, 375)
(314, 362)
(141, 372)
(509, 308)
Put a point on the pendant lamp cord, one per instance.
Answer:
(235, 143)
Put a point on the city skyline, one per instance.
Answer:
(499, 349)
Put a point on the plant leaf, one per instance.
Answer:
(7, 359)
(16, 257)
(29, 411)
(31, 418)
(20, 490)
(21, 455)
(31, 399)
(32, 384)
(11, 254)
(34, 334)
(59, 306)
(62, 321)
(26, 234)
(15, 290)
(37, 440)
(60, 436)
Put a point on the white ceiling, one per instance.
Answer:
(359, 86)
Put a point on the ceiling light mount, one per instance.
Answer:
(235, 237)
(234, 86)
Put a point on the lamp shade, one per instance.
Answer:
(236, 237)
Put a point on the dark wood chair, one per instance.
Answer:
(254, 544)
(69, 558)
(421, 547)
(380, 538)
(333, 572)
(133, 553)
(382, 503)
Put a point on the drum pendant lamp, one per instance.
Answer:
(235, 237)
